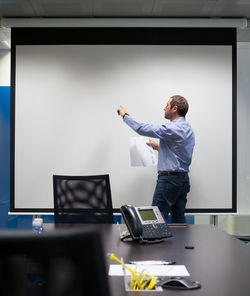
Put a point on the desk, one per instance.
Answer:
(220, 262)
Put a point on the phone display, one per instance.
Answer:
(147, 215)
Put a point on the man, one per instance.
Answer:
(175, 155)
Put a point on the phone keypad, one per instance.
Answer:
(156, 231)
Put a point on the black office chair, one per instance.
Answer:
(243, 238)
(82, 199)
(56, 263)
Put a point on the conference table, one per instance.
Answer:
(219, 261)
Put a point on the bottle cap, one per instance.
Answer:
(37, 222)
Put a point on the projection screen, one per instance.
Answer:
(68, 83)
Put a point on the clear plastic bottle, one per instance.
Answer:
(37, 225)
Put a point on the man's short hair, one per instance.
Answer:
(181, 103)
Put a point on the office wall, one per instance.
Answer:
(4, 68)
(4, 135)
(243, 85)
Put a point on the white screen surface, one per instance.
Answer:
(66, 121)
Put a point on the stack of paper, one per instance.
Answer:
(156, 270)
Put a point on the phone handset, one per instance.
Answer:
(132, 221)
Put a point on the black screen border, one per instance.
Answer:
(125, 36)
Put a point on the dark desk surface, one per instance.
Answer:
(220, 262)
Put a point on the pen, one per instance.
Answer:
(153, 262)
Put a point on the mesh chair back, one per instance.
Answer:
(82, 199)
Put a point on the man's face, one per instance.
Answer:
(168, 110)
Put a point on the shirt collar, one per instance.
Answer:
(181, 118)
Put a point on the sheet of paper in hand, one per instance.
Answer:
(141, 154)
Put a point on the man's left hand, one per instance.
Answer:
(153, 144)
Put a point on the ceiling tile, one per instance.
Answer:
(122, 8)
(232, 10)
(62, 8)
(16, 8)
(125, 8)
(180, 8)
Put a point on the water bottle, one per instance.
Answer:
(37, 225)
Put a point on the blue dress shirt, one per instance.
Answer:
(176, 142)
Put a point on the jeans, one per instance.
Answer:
(171, 196)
